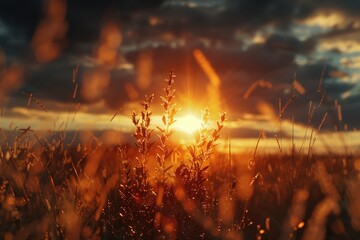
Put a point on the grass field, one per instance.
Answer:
(57, 186)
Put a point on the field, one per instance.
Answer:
(57, 185)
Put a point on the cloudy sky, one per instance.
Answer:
(239, 56)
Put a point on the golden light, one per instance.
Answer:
(188, 124)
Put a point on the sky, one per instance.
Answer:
(238, 56)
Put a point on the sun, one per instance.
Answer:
(188, 124)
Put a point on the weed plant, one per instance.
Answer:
(54, 188)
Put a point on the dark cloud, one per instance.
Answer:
(351, 28)
(290, 44)
(351, 7)
(251, 15)
(350, 112)
(116, 94)
(170, 33)
(84, 20)
(21, 15)
(336, 88)
(238, 70)
(51, 80)
(273, 61)
(248, 15)
(26, 15)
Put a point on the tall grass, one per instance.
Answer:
(54, 188)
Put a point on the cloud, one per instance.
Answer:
(351, 62)
(51, 80)
(342, 45)
(272, 61)
(28, 14)
(331, 20)
(245, 41)
(291, 44)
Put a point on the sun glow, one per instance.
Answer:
(188, 124)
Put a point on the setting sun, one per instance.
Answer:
(188, 124)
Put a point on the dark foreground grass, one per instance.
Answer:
(59, 194)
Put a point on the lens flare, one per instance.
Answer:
(188, 124)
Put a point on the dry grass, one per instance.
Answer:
(51, 187)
